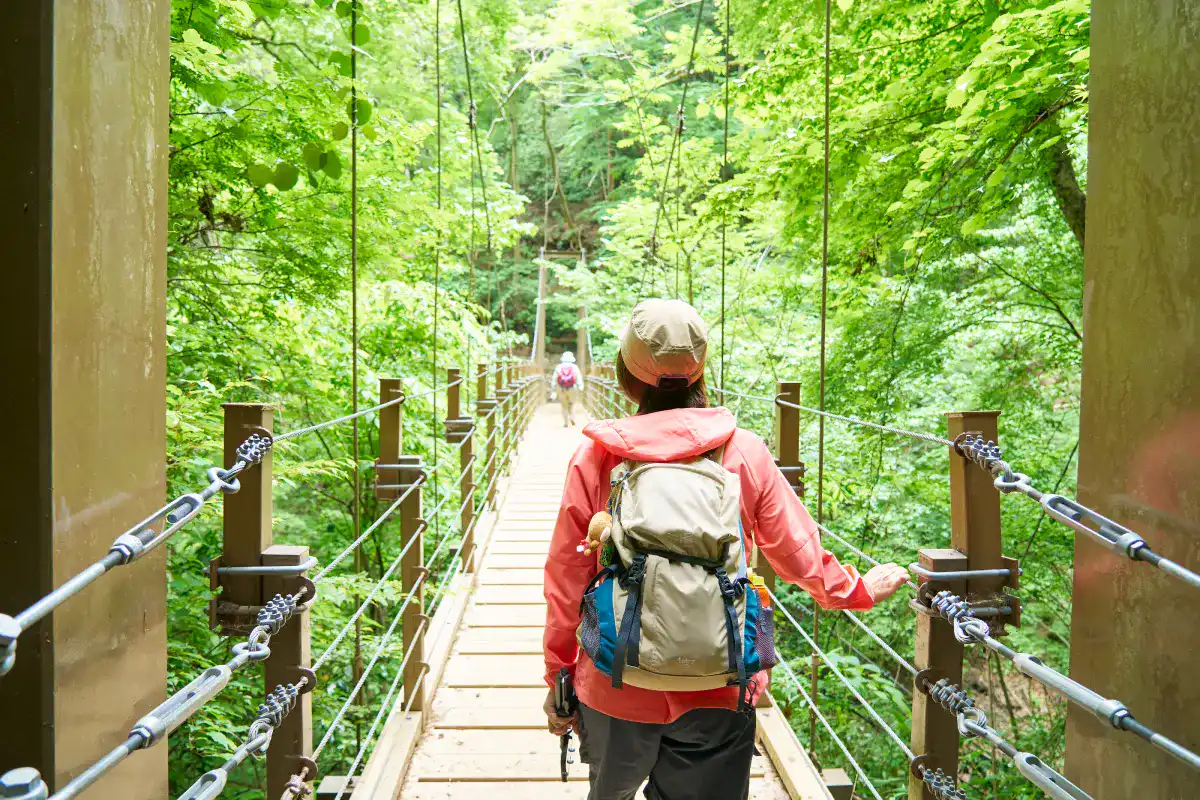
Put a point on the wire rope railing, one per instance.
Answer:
(271, 618)
(972, 620)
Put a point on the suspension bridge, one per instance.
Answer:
(461, 613)
(442, 695)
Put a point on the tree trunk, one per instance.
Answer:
(1065, 184)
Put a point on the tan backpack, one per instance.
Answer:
(672, 612)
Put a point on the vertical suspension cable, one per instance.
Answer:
(725, 177)
(824, 316)
(676, 139)
(437, 241)
(357, 505)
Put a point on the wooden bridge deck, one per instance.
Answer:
(484, 733)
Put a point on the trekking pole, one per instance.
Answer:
(565, 705)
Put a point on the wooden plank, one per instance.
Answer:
(800, 778)
(505, 616)
(513, 576)
(760, 789)
(514, 535)
(510, 596)
(529, 717)
(497, 671)
(499, 641)
(505, 561)
(469, 766)
(540, 548)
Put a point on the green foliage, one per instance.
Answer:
(955, 275)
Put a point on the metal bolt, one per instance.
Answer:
(23, 783)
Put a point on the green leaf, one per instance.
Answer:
(364, 111)
(844, 5)
(324, 3)
(341, 61)
(340, 131)
(1082, 55)
(332, 165)
(956, 98)
(260, 174)
(312, 155)
(285, 176)
(370, 132)
(973, 225)
(343, 9)
(360, 36)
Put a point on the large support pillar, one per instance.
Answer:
(539, 337)
(583, 356)
(1134, 631)
(83, 117)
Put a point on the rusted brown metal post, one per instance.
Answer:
(412, 571)
(291, 657)
(975, 505)
(504, 419)
(937, 654)
(484, 406)
(247, 542)
(976, 539)
(391, 436)
(787, 457)
(246, 532)
(461, 428)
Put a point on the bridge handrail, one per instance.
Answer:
(966, 619)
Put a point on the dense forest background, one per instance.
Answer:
(955, 268)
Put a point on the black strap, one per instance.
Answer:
(631, 624)
(736, 662)
(596, 580)
(680, 558)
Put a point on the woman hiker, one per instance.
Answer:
(567, 382)
(665, 632)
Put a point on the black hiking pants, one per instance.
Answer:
(703, 755)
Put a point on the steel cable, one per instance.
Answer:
(384, 707)
(379, 648)
(837, 740)
(345, 630)
(370, 529)
(133, 544)
(677, 138)
(887, 729)
(185, 703)
(970, 629)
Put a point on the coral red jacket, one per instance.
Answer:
(773, 518)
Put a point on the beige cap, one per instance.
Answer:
(664, 339)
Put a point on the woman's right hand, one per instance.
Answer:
(885, 580)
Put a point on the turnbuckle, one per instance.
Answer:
(142, 538)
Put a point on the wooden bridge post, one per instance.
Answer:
(391, 436)
(484, 407)
(460, 428)
(247, 542)
(412, 570)
(975, 537)
(291, 658)
(246, 514)
(504, 421)
(787, 458)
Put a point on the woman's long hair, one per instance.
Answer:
(652, 398)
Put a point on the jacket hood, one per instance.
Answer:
(666, 435)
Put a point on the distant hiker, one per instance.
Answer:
(567, 382)
(667, 633)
